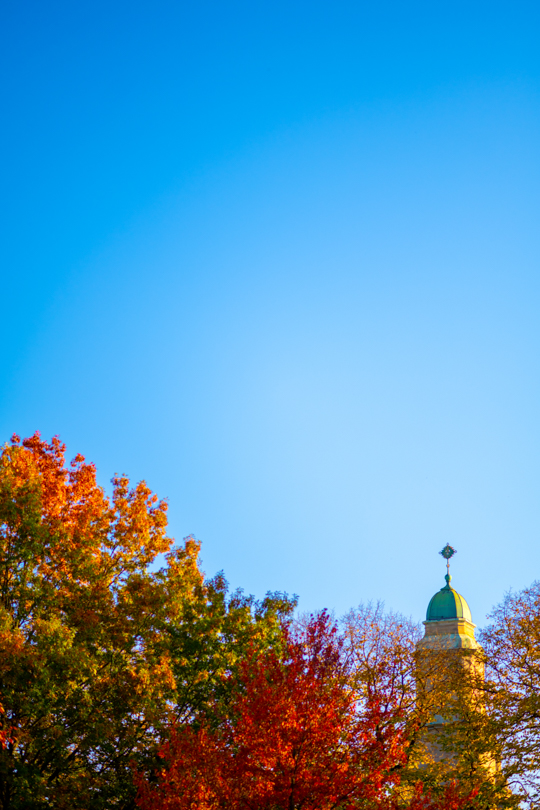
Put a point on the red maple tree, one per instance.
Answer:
(296, 737)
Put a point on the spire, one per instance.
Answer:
(448, 552)
(448, 603)
(448, 622)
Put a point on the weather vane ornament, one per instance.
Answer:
(448, 552)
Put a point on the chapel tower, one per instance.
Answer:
(450, 678)
(450, 670)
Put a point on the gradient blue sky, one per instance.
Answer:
(282, 261)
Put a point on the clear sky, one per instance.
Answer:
(281, 259)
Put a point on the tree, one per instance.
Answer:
(512, 689)
(426, 686)
(296, 736)
(98, 653)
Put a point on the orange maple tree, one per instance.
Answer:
(99, 651)
(296, 737)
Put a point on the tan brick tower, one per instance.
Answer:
(450, 679)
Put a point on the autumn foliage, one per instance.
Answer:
(98, 652)
(129, 679)
(296, 735)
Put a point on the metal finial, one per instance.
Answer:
(448, 552)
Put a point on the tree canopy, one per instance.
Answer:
(98, 652)
(298, 735)
(128, 678)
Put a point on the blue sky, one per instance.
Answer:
(282, 261)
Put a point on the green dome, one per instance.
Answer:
(447, 604)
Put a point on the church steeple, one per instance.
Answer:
(450, 672)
